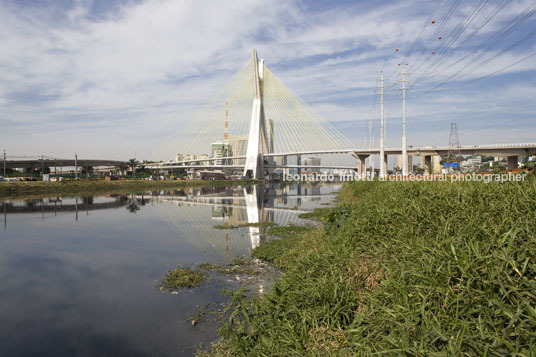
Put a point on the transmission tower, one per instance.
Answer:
(454, 154)
(371, 144)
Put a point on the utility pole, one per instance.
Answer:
(371, 138)
(4, 163)
(404, 138)
(383, 164)
(75, 166)
(42, 166)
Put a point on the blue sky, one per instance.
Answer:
(108, 79)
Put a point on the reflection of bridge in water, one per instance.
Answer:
(187, 215)
(58, 205)
(193, 213)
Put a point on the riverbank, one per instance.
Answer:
(414, 268)
(10, 190)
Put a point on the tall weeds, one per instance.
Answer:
(402, 268)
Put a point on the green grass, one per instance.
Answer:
(318, 214)
(13, 190)
(293, 245)
(401, 268)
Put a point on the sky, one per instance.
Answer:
(116, 79)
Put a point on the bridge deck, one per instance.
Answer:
(496, 149)
(20, 164)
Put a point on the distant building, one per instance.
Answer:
(344, 172)
(238, 145)
(189, 157)
(475, 160)
(472, 162)
(203, 157)
(282, 161)
(312, 161)
(220, 149)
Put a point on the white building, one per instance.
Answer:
(312, 161)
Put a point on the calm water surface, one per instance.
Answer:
(77, 275)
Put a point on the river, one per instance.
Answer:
(78, 275)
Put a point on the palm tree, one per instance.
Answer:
(132, 205)
(132, 163)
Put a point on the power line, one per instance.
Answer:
(498, 71)
(496, 39)
(496, 125)
(462, 25)
(465, 69)
(490, 16)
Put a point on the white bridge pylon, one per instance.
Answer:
(257, 141)
(263, 117)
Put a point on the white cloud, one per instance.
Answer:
(144, 68)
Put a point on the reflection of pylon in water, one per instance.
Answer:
(226, 130)
(454, 154)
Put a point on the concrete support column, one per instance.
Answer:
(428, 164)
(385, 164)
(361, 164)
(512, 162)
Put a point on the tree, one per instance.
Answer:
(132, 204)
(132, 164)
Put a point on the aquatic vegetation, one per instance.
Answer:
(203, 312)
(239, 265)
(234, 226)
(182, 277)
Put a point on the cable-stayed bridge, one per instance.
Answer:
(247, 125)
(256, 125)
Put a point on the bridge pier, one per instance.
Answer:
(428, 164)
(284, 160)
(385, 164)
(512, 162)
(361, 166)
